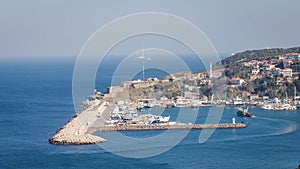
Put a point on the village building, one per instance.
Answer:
(287, 72)
(255, 71)
(287, 62)
(268, 67)
(237, 81)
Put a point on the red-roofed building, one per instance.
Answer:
(293, 56)
(237, 81)
(247, 64)
(268, 66)
(279, 57)
(216, 74)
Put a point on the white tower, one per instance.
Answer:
(143, 64)
(210, 70)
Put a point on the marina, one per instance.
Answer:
(101, 116)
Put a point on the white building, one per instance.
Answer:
(255, 71)
(237, 81)
(287, 72)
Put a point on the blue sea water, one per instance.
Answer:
(36, 99)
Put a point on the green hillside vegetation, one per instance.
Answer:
(258, 54)
(266, 84)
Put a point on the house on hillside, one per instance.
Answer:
(287, 62)
(293, 56)
(255, 71)
(287, 72)
(279, 57)
(216, 74)
(253, 97)
(268, 67)
(237, 81)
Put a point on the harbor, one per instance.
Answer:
(102, 116)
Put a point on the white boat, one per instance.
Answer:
(267, 107)
(111, 122)
(163, 119)
(279, 107)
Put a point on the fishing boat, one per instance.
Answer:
(244, 113)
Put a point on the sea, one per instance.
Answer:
(36, 99)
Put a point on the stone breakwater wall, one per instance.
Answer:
(165, 127)
(72, 134)
(75, 131)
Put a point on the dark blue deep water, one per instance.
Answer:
(36, 99)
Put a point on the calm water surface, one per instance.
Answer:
(36, 99)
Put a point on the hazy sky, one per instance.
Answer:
(60, 28)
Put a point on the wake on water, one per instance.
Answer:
(266, 127)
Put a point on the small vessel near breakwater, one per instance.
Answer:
(244, 113)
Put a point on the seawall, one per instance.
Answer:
(166, 127)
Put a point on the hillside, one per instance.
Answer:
(273, 73)
(266, 72)
(259, 54)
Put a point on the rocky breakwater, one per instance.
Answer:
(167, 127)
(75, 131)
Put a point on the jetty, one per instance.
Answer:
(75, 131)
(181, 126)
